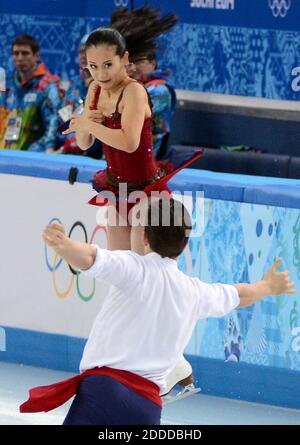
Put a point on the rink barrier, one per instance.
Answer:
(239, 381)
(263, 384)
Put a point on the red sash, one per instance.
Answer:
(46, 398)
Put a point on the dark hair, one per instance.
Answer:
(150, 56)
(141, 27)
(81, 48)
(26, 39)
(107, 36)
(168, 226)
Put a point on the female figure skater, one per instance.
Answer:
(123, 106)
(144, 66)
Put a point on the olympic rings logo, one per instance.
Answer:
(119, 3)
(280, 8)
(57, 262)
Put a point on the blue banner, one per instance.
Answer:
(243, 47)
(75, 8)
(263, 14)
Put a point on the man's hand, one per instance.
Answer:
(54, 235)
(273, 283)
(279, 283)
(79, 255)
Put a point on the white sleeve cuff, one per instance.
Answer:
(237, 297)
(94, 269)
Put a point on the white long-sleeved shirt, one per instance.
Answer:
(149, 314)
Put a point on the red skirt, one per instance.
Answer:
(113, 197)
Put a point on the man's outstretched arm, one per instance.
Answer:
(274, 283)
(79, 255)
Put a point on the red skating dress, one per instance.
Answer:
(139, 170)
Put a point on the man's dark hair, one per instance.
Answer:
(26, 39)
(168, 227)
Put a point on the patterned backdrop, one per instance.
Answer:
(239, 243)
(210, 58)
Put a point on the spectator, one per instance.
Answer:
(73, 104)
(28, 106)
(163, 96)
(143, 65)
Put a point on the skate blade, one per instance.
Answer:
(188, 391)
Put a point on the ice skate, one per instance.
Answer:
(182, 375)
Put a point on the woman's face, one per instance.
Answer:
(106, 67)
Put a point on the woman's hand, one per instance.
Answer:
(95, 116)
(78, 124)
(81, 123)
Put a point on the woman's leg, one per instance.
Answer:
(137, 240)
(118, 231)
(136, 218)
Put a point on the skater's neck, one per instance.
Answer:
(149, 250)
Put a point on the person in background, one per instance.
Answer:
(28, 106)
(143, 66)
(163, 96)
(73, 103)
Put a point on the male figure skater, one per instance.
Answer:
(145, 322)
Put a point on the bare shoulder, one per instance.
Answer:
(90, 95)
(136, 90)
(91, 89)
